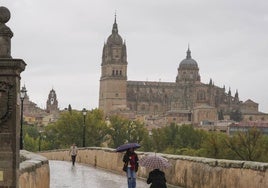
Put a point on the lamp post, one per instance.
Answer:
(40, 138)
(84, 111)
(23, 92)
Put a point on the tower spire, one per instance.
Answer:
(115, 17)
(115, 29)
(188, 52)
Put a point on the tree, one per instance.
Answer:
(121, 131)
(214, 145)
(69, 129)
(96, 128)
(236, 115)
(220, 115)
(117, 131)
(246, 145)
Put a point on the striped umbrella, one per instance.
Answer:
(154, 162)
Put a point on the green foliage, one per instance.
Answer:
(147, 143)
(70, 126)
(30, 143)
(117, 131)
(121, 131)
(96, 128)
(173, 139)
(188, 137)
(247, 145)
(214, 146)
(220, 115)
(236, 115)
(31, 130)
(158, 140)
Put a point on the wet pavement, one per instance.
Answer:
(64, 175)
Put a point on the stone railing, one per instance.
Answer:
(34, 171)
(189, 172)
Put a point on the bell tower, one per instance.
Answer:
(52, 102)
(113, 81)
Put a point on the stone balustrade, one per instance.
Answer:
(34, 171)
(190, 172)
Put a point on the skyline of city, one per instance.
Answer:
(62, 45)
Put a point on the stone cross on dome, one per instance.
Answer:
(5, 33)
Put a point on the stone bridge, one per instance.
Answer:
(188, 172)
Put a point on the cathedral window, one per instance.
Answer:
(116, 94)
(116, 72)
(113, 73)
(120, 73)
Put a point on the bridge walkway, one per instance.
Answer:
(64, 175)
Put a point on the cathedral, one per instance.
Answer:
(186, 100)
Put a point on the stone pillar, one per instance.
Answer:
(10, 70)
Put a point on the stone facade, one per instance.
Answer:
(187, 100)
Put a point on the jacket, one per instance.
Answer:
(126, 159)
(157, 178)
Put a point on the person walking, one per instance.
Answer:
(157, 179)
(131, 166)
(73, 152)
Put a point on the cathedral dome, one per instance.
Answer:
(188, 62)
(115, 38)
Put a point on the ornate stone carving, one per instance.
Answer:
(5, 101)
(5, 34)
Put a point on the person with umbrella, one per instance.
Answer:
(156, 176)
(131, 165)
(130, 160)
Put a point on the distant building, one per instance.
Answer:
(186, 100)
(245, 126)
(52, 102)
(34, 115)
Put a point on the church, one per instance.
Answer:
(186, 100)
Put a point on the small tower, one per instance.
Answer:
(113, 81)
(52, 102)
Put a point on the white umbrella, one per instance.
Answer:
(154, 162)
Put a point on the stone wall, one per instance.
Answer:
(34, 171)
(190, 172)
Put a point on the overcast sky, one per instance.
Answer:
(61, 41)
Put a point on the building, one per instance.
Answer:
(34, 115)
(187, 100)
(262, 126)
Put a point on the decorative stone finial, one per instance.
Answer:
(5, 34)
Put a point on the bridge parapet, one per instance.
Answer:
(34, 171)
(186, 171)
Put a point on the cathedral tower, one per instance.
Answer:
(52, 102)
(113, 81)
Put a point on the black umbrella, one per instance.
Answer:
(127, 146)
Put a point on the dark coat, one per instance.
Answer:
(157, 178)
(126, 159)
